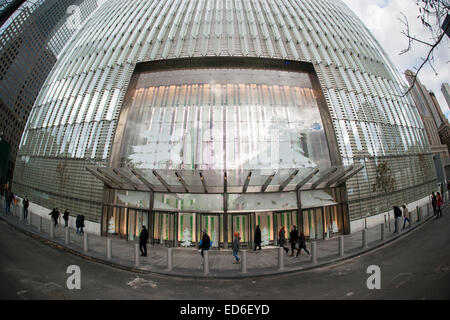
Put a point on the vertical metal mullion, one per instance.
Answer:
(323, 222)
(126, 217)
(220, 231)
(299, 211)
(151, 218)
(175, 230)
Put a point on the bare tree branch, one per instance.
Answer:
(428, 59)
(432, 14)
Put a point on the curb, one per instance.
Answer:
(357, 253)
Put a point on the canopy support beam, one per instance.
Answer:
(138, 174)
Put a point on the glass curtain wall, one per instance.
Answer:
(222, 119)
(319, 223)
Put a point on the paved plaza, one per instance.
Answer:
(188, 261)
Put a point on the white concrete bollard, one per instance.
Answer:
(417, 214)
(67, 238)
(108, 249)
(399, 224)
(341, 246)
(52, 229)
(314, 252)
(136, 254)
(244, 261)
(86, 242)
(169, 259)
(280, 258)
(364, 238)
(205, 263)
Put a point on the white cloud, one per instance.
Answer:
(382, 18)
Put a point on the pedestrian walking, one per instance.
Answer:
(205, 243)
(302, 244)
(236, 246)
(81, 224)
(9, 200)
(433, 202)
(282, 238)
(405, 216)
(257, 238)
(78, 223)
(439, 203)
(397, 214)
(26, 204)
(293, 237)
(54, 215)
(143, 237)
(66, 218)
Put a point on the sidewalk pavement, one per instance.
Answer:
(187, 262)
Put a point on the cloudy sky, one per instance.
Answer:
(382, 18)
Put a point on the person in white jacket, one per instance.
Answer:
(406, 216)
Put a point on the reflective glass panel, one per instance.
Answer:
(215, 119)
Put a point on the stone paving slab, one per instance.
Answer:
(188, 261)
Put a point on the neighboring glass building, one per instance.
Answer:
(430, 112)
(223, 115)
(30, 40)
(445, 88)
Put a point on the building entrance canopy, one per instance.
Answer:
(223, 181)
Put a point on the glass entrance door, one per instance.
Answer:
(115, 221)
(313, 223)
(211, 224)
(136, 219)
(242, 224)
(165, 227)
(286, 219)
(265, 222)
(187, 235)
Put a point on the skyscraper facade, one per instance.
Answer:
(29, 46)
(431, 114)
(223, 115)
(445, 88)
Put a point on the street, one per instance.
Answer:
(416, 266)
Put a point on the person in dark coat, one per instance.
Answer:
(293, 237)
(143, 237)
(433, 202)
(257, 238)
(397, 214)
(77, 223)
(302, 244)
(439, 203)
(26, 204)
(9, 200)
(55, 215)
(81, 224)
(205, 243)
(282, 239)
(66, 218)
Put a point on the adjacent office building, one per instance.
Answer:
(29, 45)
(430, 113)
(223, 115)
(445, 88)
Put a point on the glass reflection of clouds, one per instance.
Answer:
(214, 119)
